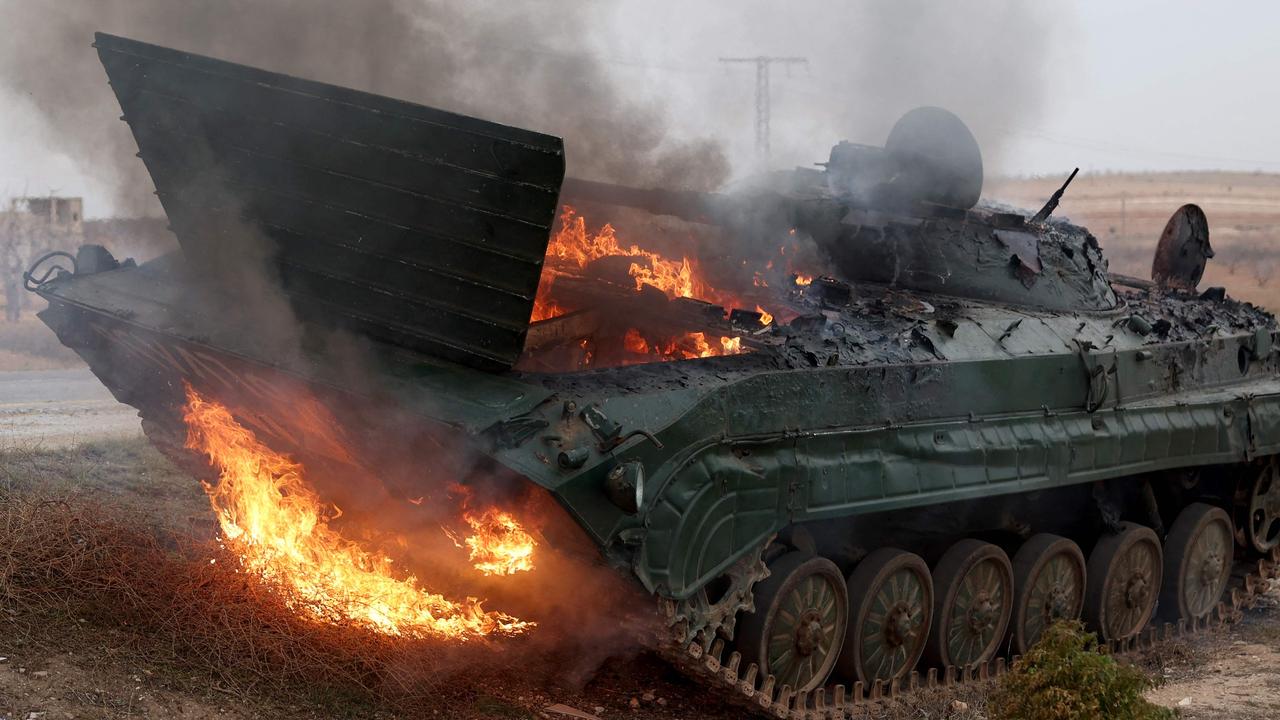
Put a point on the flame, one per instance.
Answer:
(279, 529)
(544, 308)
(688, 346)
(573, 245)
(498, 545)
(803, 280)
(572, 248)
(765, 317)
(696, 345)
(634, 342)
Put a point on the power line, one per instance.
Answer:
(763, 64)
(824, 95)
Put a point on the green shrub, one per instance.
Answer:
(1066, 677)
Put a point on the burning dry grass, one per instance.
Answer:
(279, 530)
(184, 605)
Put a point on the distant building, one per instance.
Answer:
(33, 226)
(58, 214)
(38, 224)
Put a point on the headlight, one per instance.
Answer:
(625, 486)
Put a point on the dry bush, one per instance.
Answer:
(182, 601)
(1066, 676)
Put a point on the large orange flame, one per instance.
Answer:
(279, 529)
(573, 247)
(498, 545)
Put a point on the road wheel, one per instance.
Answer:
(890, 611)
(974, 598)
(1263, 525)
(1048, 581)
(798, 627)
(1124, 574)
(1197, 562)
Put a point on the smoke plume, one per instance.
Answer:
(868, 63)
(985, 62)
(479, 57)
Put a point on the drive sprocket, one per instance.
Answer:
(712, 611)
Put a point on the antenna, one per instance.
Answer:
(763, 63)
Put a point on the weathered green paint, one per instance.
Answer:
(745, 459)
(816, 474)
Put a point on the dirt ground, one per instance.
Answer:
(56, 408)
(1231, 675)
(29, 345)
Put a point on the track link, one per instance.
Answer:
(724, 674)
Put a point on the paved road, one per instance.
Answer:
(60, 407)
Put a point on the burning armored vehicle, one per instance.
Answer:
(903, 434)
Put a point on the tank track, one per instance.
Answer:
(722, 672)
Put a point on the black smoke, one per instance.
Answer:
(518, 63)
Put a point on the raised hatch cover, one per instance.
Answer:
(410, 225)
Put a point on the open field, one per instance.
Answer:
(1126, 212)
(30, 345)
(50, 408)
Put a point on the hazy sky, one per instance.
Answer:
(1047, 86)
